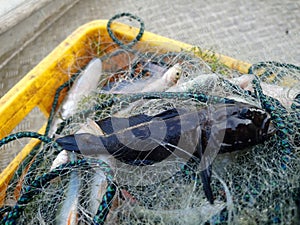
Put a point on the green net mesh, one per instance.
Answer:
(255, 185)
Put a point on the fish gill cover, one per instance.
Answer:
(164, 137)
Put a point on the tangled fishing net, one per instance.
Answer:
(256, 185)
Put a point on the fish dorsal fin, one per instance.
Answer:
(90, 127)
(111, 125)
(106, 125)
(138, 119)
(167, 114)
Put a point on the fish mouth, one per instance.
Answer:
(271, 129)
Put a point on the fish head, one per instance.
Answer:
(172, 75)
(260, 121)
(241, 125)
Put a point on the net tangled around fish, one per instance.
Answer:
(256, 185)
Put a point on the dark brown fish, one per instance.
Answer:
(144, 140)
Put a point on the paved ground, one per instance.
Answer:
(247, 30)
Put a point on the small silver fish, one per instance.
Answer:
(69, 212)
(198, 84)
(210, 84)
(99, 181)
(169, 78)
(284, 94)
(83, 85)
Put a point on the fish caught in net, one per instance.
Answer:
(152, 136)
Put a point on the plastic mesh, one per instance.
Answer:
(256, 185)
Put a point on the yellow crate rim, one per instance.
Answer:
(38, 87)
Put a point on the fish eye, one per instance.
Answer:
(257, 116)
(260, 119)
(245, 113)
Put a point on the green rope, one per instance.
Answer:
(56, 97)
(272, 64)
(37, 186)
(22, 167)
(271, 105)
(27, 134)
(116, 98)
(105, 204)
(39, 157)
(272, 67)
(277, 111)
(135, 40)
(201, 97)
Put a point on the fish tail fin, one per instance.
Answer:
(206, 181)
(68, 143)
(84, 143)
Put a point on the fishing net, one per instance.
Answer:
(255, 185)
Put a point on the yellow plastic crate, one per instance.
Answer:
(37, 88)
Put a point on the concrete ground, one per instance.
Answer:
(252, 31)
(247, 30)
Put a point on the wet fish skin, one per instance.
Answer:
(168, 79)
(286, 95)
(233, 126)
(82, 86)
